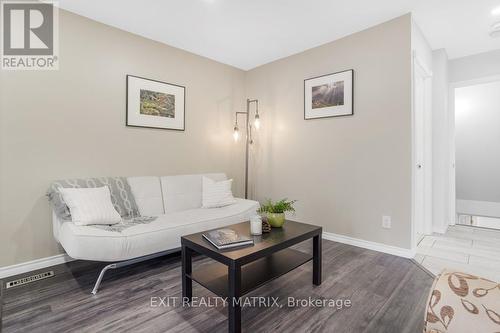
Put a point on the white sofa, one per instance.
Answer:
(175, 200)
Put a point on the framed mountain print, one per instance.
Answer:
(155, 104)
(330, 95)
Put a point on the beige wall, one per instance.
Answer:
(345, 172)
(70, 123)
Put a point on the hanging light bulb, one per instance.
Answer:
(236, 133)
(257, 121)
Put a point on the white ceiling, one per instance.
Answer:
(249, 33)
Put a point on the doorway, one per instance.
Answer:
(477, 156)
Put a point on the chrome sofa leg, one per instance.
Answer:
(101, 275)
(129, 262)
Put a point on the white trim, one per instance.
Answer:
(394, 250)
(34, 265)
(440, 229)
(426, 71)
(478, 208)
(473, 82)
(41, 263)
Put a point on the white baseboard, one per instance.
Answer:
(34, 265)
(63, 258)
(394, 250)
(440, 230)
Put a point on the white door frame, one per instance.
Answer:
(419, 67)
(452, 210)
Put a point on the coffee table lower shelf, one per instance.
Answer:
(253, 275)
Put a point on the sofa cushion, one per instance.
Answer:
(216, 194)
(164, 233)
(90, 205)
(147, 194)
(184, 192)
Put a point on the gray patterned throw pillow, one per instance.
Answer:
(121, 195)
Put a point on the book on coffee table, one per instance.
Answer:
(226, 238)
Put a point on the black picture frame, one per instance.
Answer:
(325, 75)
(157, 81)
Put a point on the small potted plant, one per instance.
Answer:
(275, 211)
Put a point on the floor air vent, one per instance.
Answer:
(29, 279)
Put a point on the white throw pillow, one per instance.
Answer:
(90, 205)
(217, 194)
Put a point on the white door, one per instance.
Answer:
(422, 152)
(419, 155)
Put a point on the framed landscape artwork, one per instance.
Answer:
(330, 95)
(155, 104)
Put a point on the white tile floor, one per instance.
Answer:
(468, 249)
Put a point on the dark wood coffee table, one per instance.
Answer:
(241, 270)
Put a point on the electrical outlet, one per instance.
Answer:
(386, 222)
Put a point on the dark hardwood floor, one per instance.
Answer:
(388, 294)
